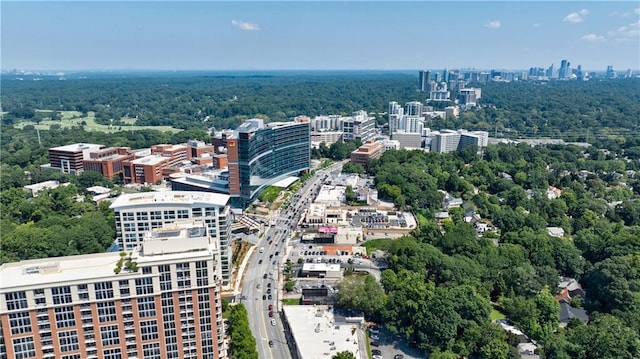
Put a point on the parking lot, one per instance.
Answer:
(389, 345)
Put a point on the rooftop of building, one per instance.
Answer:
(177, 241)
(326, 267)
(75, 147)
(59, 270)
(319, 334)
(149, 160)
(170, 197)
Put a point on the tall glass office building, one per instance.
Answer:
(262, 154)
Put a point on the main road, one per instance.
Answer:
(263, 280)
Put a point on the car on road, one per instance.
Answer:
(260, 261)
(269, 296)
(268, 290)
(268, 285)
(271, 314)
(258, 286)
(273, 322)
(261, 250)
(270, 306)
(264, 276)
(271, 343)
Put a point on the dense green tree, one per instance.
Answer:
(344, 355)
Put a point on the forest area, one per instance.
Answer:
(443, 280)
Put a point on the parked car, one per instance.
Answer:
(375, 337)
(376, 352)
(271, 314)
(270, 307)
(398, 356)
(273, 322)
(264, 297)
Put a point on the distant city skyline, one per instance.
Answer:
(359, 35)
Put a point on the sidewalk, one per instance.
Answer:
(240, 271)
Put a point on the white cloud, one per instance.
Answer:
(592, 38)
(637, 11)
(620, 14)
(494, 24)
(243, 25)
(576, 17)
(631, 30)
(536, 25)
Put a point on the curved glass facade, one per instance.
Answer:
(270, 154)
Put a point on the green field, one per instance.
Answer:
(73, 118)
(495, 315)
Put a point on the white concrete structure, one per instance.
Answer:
(319, 334)
(41, 186)
(138, 213)
(160, 300)
(331, 195)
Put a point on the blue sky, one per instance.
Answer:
(264, 35)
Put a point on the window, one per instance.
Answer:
(107, 312)
(110, 335)
(144, 286)
(129, 227)
(68, 341)
(183, 213)
(142, 216)
(156, 215)
(72, 356)
(202, 274)
(169, 214)
(197, 212)
(165, 277)
(146, 270)
(146, 307)
(24, 348)
(61, 295)
(65, 317)
(127, 216)
(143, 226)
(104, 290)
(16, 300)
(151, 351)
(112, 354)
(149, 330)
(20, 323)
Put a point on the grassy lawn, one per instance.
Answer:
(376, 244)
(72, 118)
(496, 314)
(291, 301)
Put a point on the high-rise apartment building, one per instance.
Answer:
(413, 108)
(262, 154)
(359, 126)
(565, 70)
(424, 80)
(138, 213)
(160, 300)
(449, 140)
